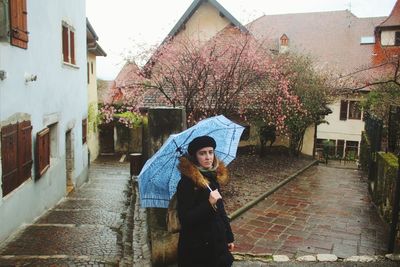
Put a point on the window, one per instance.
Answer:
(91, 64)
(18, 22)
(340, 148)
(42, 152)
(88, 74)
(351, 150)
(284, 40)
(84, 131)
(397, 38)
(16, 155)
(350, 110)
(68, 44)
(354, 110)
(367, 40)
(343, 110)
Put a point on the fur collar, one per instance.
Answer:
(190, 170)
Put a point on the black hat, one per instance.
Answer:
(199, 143)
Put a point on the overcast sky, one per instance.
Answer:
(122, 23)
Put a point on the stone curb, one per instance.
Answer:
(250, 204)
(313, 258)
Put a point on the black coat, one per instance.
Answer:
(205, 230)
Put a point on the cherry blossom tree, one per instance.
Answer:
(231, 74)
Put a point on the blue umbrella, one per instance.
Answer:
(160, 175)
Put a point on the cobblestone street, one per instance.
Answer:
(91, 227)
(323, 210)
(101, 223)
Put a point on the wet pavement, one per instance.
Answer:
(323, 210)
(90, 227)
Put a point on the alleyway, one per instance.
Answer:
(324, 210)
(90, 227)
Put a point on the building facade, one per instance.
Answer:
(94, 50)
(43, 106)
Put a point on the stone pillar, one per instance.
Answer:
(162, 122)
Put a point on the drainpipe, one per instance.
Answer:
(395, 211)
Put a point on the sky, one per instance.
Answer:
(125, 25)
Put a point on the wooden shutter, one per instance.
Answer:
(84, 131)
(24, 150)
(72, 46)
(343, 110)
(9, 158)
(65, 43)
(42, 152)
(18, 23)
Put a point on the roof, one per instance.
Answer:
(192, 9)
(394, 17)
(103, 90)
(90, 33)
(96, 49)
(91, 41)
(128, 74)
(331, 38)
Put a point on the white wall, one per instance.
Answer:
(59, 95)
(349, 130)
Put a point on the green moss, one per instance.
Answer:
(390, 159)
(93, 118)
(134, 119)
(364, 134)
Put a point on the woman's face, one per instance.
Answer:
(205, 157)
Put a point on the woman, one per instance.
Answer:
(206, 237)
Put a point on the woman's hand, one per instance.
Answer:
(231, 246)
(214, 196)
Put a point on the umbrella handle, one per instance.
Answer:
(209, 188)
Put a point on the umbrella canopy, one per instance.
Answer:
(160, 175)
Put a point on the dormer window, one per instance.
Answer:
(284, 40)
(283, 44)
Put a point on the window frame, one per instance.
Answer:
(353, 114)
(68, 44)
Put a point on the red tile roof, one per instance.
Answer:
(394, 17)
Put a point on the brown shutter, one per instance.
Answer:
(343, 110)
(65, 43)
(72, 46)
(84, 131)
(18, 23)
(24, 150)
(9, 158)
(42, 152)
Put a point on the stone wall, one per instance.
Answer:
(162, 122)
